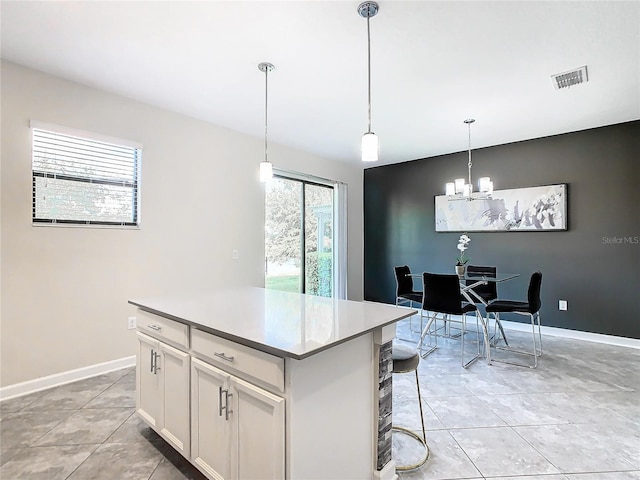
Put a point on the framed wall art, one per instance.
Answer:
(516, 209)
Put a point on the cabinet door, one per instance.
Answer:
(148, 381)
(174, 367)
(257, 435)
(209, 425)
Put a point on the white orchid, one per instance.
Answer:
(463, 243)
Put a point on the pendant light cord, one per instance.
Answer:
(266, 90)
(469, 125)
(369, 68)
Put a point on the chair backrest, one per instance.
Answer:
(441, 293)
(489, 291)
(533, 295)
(404, 282)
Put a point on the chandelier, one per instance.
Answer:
(459, 189)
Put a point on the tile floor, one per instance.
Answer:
(576, 417)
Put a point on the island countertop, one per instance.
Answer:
(284, 324)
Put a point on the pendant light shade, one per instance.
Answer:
(370, 145)
(266, 169)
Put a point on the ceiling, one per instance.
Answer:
(434, 64)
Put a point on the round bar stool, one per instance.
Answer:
(405, 360)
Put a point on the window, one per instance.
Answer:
(83, 179)
(303, 239)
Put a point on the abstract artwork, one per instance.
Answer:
(516, 209)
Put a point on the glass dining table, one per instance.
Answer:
(467, 284)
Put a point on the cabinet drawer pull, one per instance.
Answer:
(223, 356)
(154, 327)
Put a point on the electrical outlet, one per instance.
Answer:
(562, 305)
(131, 323)
(234, 255)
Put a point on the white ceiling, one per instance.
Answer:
(433, 65)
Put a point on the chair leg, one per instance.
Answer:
(464, 325)
(424, 433)
(539, 334)
(462, 342)
(497, 324)
(412, 434)
(535, 346)
(427, 330)
(478, 333)
(535, 353)
(402, 303)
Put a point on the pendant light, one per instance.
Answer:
(266, 168)
(460, 189)
(370, 146)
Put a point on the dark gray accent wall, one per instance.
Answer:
(594, 265)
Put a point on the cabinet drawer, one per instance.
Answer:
(235, 358)
(172, 332)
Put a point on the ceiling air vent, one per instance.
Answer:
(568, 79)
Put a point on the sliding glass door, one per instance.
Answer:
(299, 236)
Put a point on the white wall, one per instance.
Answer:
(64, 291)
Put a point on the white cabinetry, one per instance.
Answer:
(280, 385)
(162, 394)
(210, 431)
(237, 428)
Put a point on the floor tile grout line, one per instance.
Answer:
(81, 463)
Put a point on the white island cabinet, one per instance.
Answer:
(162, 373)
(250, 383)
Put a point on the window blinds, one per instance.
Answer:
(84, 181)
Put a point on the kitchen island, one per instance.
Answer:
(255, 383)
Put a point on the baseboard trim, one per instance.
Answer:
(57, 379)
(575, 334)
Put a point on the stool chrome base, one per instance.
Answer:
(423, 460)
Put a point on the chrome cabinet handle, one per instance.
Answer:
(153, 356)
(226, 402)
(155, 327)
(155, 364)
(227, 410)
(223, 356)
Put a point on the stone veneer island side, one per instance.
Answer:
(254, 383)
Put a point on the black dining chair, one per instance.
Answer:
(405, 294)
(442, 296)
(531, 308)
(487, 293)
